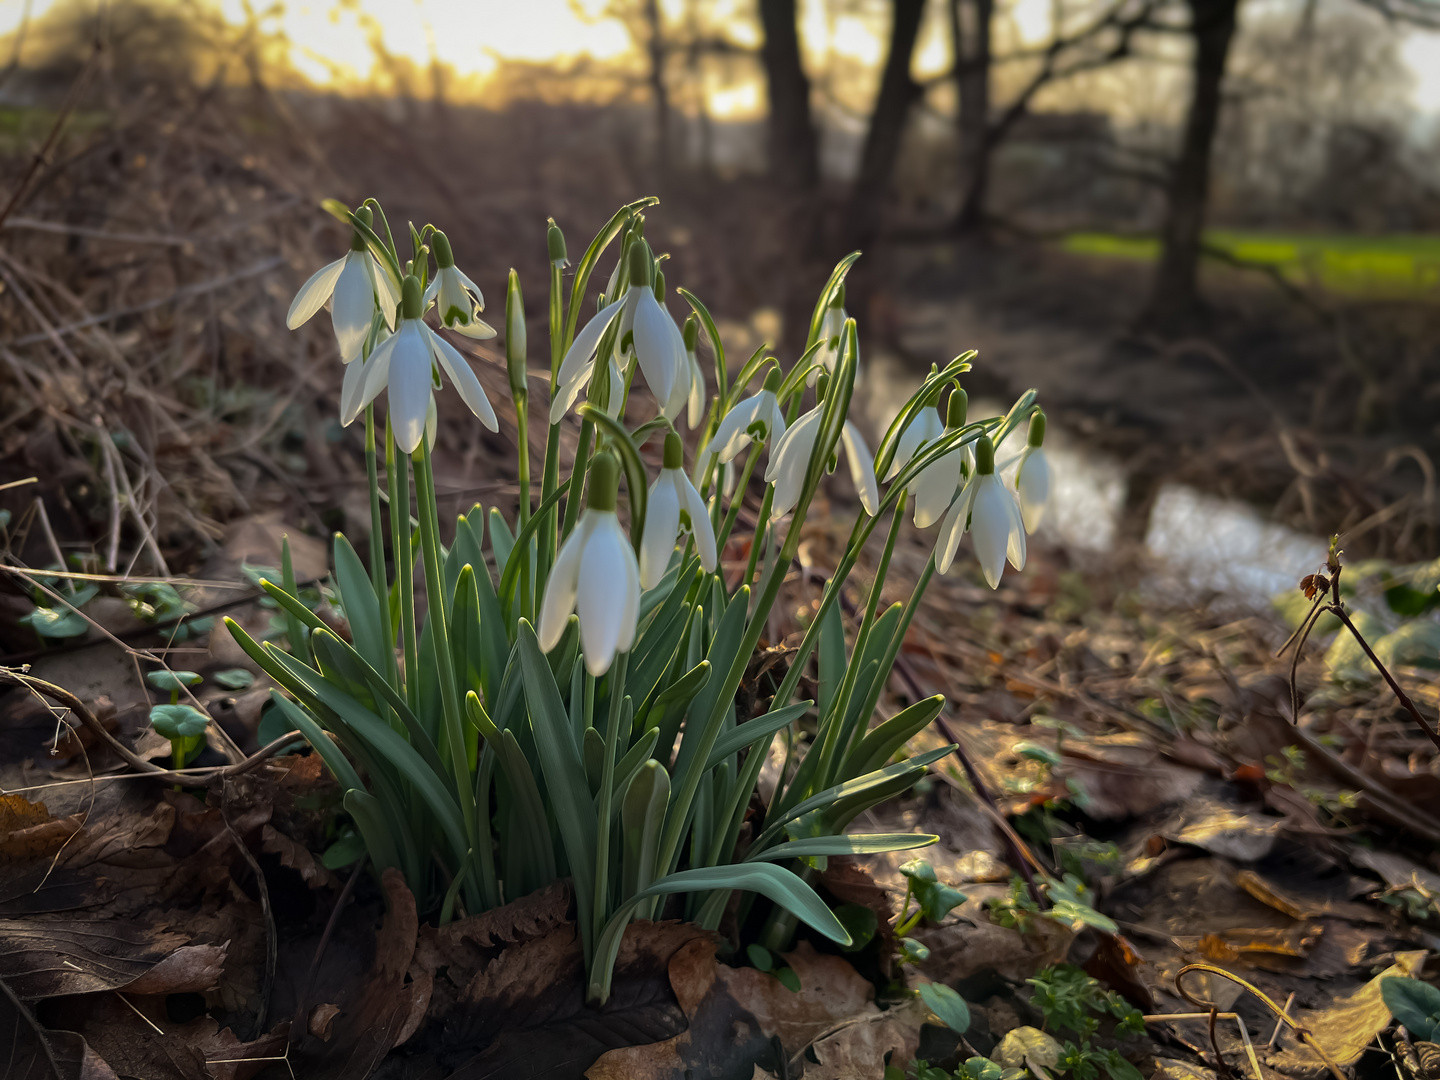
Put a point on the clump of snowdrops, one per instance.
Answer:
(572, 713)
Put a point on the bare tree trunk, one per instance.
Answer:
(898, 91)
(793, 145)
(658, 90)
(1174, 294)
(970, 45)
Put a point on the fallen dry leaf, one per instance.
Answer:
(1227, 946)
(734, 1012)
(48, 957)
(1350, 1023)
(1223, 830)
(527, 1009)
(296, 856)
(861, 1050)
(1299, 906)
(192, 969)
(374, 1015)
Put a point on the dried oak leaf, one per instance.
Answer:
(132, 1046)
(296, 856)
(1350, 1023)
(27, 831)
(529, 1004)
(734, 1012)
(45, 957)
(861, 1050)
(374, 1016)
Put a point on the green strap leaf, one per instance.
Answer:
(752, 731)
(855, 844)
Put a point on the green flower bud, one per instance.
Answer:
(692, 332)
(674, 451)
(604, 482)
(1037, 429)
(639, 264)
(515, 335)
(956, 408)
(773, 379)
(984, 455)
(637, 225)
(412, 298)
(555, 245)
(659, 285)
(822, 385)
(440, 244)
(366, 216)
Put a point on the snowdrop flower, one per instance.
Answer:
(1032, 478)
(579, 363)
(757, 417)
(696, 399)
(935, 487)
(832, 326)
(659, 349)
(924, 427)
(791, 457)
(988, 510)
(353, 386)
(673, 505)
(596, 577)
(457, 298)
(353, 285)
(404, 364)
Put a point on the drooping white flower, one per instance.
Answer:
(579, 363)
(790, 458)
(988, 510)
(457, 298)
(757, 417)
(934, 489)
(404, 364)
(832, 327)
(595, 576)
(1032, 476)
(352, 388)
(924, 427)
(672, 507)
(353, 285)
(655, 339)
(696, 399)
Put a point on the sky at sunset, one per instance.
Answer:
(472, 36)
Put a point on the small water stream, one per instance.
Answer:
(1200, 545)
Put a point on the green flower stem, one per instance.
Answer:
(606, 826)
(550, 470)
(177, 755)
(440, 631)
(379, 580)
(581, 469)
(404, 566)
(723, 533)
(835, 726)
(759, 538)
(522, 428)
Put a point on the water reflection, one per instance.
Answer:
(1199, 545)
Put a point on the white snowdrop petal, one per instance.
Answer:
(952, 528)
(1032, 484)
(476, 328)
(567, 393)
(732, 433)
(630, 613)
(385, 294)
(472, 287)
(703, 528)
(582, 349)
(600, 597)
(313, 294)
(654, 345)
(935, 487)
(463, 376)
(352, 306)
(680, 388)
(862, 468)
(696, 398)
(798, 441)
(351, 388)
(662, 524)
(1015, 541)
(560, 589)
(376, 376)
(409, 385)
(990, 527)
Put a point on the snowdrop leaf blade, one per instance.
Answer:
(717, 347)
(822, 303)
